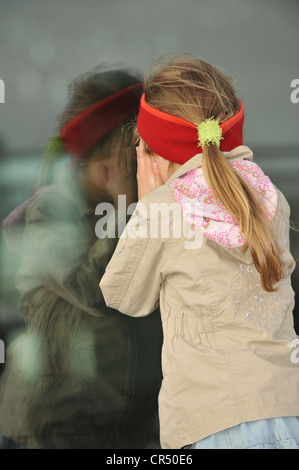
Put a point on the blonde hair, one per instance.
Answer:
(195, 90)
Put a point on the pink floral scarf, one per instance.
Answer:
(204, 212)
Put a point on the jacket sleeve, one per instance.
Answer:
(61, 253)
(132, 280)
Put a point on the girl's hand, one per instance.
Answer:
(148, 174)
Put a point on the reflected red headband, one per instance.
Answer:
(91, 125)
(176, 139)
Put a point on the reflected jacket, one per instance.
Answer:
(81, 375)
(229, 349)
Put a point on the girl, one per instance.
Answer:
(230, 379)
(81, 376)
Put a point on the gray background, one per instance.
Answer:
(44, 45)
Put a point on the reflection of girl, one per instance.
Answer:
(228, 376)
(82, 375)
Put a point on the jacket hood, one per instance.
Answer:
(204, 212)
(13, 225)
(65, 183)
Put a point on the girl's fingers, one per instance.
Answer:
(148, 175)
(157, 174)
(144, 163)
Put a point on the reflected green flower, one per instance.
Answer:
(55, 149)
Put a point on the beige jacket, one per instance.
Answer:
(229, 353)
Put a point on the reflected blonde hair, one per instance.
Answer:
(83, 92)
(195, 90)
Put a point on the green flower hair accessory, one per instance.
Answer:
(209, 131)
(55, 149)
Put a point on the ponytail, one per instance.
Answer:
(239, 199)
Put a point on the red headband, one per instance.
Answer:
(91, 125)
(176, 139)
